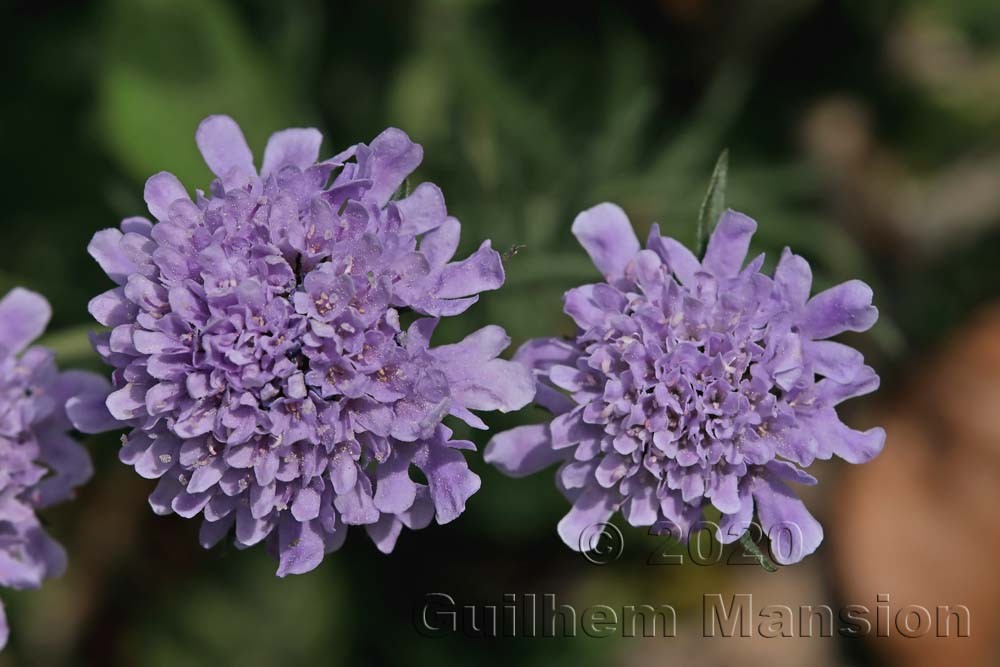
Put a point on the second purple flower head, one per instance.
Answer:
(694, 383)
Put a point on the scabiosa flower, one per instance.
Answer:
(693, 383)
(259, 354)
(40, 462)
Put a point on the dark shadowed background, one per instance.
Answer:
(865, 134)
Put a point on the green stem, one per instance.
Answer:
(755, 551)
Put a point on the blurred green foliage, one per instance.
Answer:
(528, 112)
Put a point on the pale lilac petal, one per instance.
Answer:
(728, 245)
(206, 476)
(450, 481)
(593, 507)
(333, 541)
(112, 308)
(25, 569)
(480, 272)
(394, 490)
(88, 412)
(306, 505)
(188, 505)
(523, 450)
(394, 157)
(262, 499)
(845, 307)
(481, 382)
(732, 526)
(300, 546)
(677, 257)
(223, 147)
(357, 507)
(385, 532)
(23, 318)
(789, 472)
(162, 190)
(161, 500)
(212, 532)
(251, 530)
(606, 234)
(158, 459)
(836, 361)
(70, 465)
(792, 530)
(423, 210)
(542, 353)
(642, 508)
(838, 439)
(439, 245)
(133, 446)
(106, 248)
(298, 147)
(794, 277)
(418, 336)
(725, 494)
(580, 304)
(864, 382)
(421, 513)
(343, 473)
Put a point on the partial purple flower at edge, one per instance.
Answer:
(40, 462)
(693, 383)
(260, 359)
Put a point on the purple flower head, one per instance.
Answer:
(694, 383)
(259, 355)
(40, 463)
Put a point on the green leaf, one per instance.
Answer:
(205, 620)
(714, 202)
(551, 268)
(72, 346)
(152, 93)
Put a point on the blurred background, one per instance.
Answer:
(863, 133)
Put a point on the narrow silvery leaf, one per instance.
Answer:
(714, 202)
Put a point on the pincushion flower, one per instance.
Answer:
(259, 354)
(40, 462)
(694, 383)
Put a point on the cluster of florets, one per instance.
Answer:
(40, 462)
(259, 352)
(692, 383)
